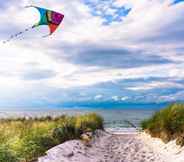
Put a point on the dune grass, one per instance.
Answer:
(24, 140)
(167, 124)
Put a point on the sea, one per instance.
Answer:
(115, 119)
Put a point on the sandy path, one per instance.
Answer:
(125, 148)
(107, 148)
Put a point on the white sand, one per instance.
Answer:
(170, 152)
(116, 148)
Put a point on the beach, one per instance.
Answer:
(107, 147)
(40, 133)
(117, 142)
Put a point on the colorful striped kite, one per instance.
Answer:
(47, 17)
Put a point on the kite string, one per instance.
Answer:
(17, 34)
(45, 36)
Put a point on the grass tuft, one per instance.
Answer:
(24, 140)
(167, 124)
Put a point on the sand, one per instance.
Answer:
(106, 147)
(170, 152)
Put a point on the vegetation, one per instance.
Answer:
(24, 140)
(167, 124)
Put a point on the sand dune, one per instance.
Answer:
(107, 147)
(170, 152)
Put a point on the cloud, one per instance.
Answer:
(137, 55)
(108, 10)
(124, 98)
(112, 57)
(98, 97)
(156, 85)
(115, 98)
(37, 74)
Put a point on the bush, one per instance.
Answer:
(65, 132)
(28, 139)
(33, 147)
(89, 122)
(167, 123)
(6, 155)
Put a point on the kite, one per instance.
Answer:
(47, 17)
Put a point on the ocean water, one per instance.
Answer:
(114, 119)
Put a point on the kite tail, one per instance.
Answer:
(18, 34)
(46, 36)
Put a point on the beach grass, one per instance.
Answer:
(167, 124)
(24, 140)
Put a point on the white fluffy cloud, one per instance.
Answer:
(152, 28)
(156, 85)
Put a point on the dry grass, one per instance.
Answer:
(167, 124)
(24, 140)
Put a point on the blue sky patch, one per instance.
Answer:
(107, 10)
(177, 1)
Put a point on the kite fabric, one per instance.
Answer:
(47, 17)
(50, 18)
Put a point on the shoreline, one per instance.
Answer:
(112, 117)
(121, 131)
(123, 147)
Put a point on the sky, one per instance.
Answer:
(104, 51)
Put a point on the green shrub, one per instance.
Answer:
(65, 132)
(33, 147)
(167, 123)
(89, 122)
(28, 139)
(6, 155)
